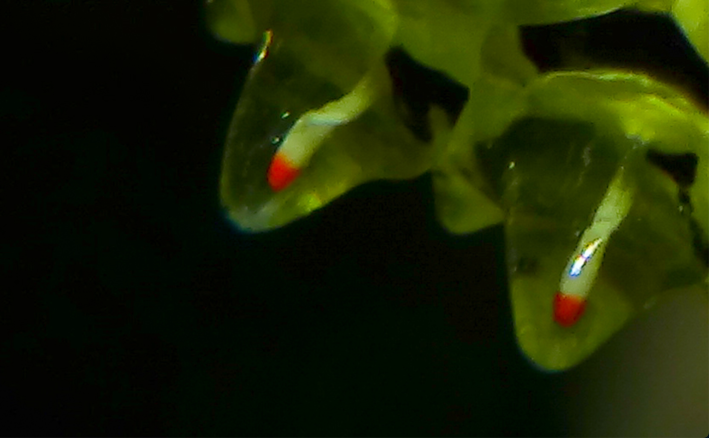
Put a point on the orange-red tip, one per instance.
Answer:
(281, 173)
(568, 309)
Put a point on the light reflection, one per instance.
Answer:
(265, 46)
(584, 257)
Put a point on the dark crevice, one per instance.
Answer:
(699, 242)
(641, 42)
(682, 168)
(417, 87)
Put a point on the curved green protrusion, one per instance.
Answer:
(534, 152)
(554, 166)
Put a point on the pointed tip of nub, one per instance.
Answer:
(281, 173)
(568, 309)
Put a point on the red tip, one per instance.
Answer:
(568, 309)
(281, 173)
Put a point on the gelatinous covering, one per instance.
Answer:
(347, 91)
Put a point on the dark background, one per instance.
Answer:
(133, 307)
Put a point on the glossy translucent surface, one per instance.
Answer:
(277, 92)
(535, 152)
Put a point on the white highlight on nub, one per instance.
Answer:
(584, 257)
(583, 266)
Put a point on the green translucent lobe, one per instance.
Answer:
(533, 152)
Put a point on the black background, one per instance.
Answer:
(133, 307)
